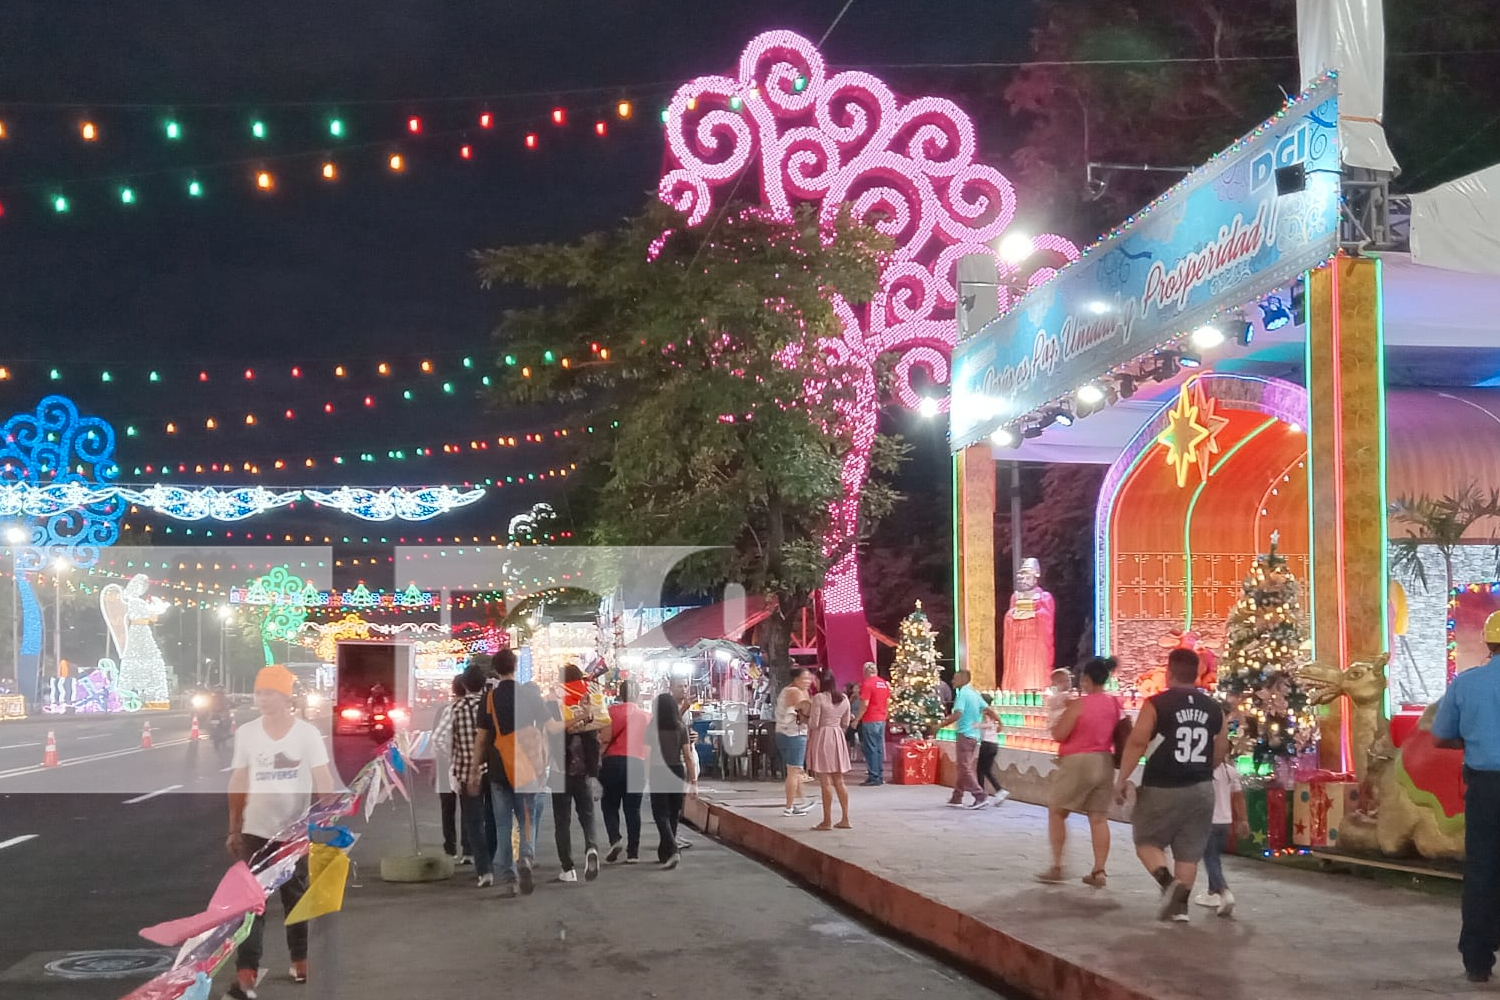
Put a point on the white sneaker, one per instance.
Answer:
(591, 865)
(956, 805)
(1208, 899)
(999, 797)
(1180, 917)
(568, 876)
(485, 881)
(1226, 903)
(671, 862)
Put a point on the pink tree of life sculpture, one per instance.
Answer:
(844, 138)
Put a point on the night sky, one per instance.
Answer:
(374, 267)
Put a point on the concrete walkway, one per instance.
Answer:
(964, 883)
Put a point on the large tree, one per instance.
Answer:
(701, 347)
(1170, 84)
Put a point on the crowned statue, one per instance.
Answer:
(1028, 653)
(130, 614)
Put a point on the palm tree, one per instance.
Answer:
(1442, 524)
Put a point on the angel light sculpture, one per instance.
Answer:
(129, 613)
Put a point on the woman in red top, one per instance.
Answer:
(623, 773)
(1085, 776)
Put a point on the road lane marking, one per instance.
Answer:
(12, 842)
(19, 746)
(152, 795)
(96, 736)
(17, 772)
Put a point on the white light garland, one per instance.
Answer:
(235, 503)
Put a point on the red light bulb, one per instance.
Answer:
(414, 125)
(559, 116)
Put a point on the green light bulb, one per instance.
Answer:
(59, 204)
(468, 362)
(548, 357)
(448, 387)
(105, 377)
(56, 375)
(258, 129)
(195, 189)
(510, 359)
(174, 130)
(336, 128)
(155, 377)
(485, 380)
(406, 394)
(127, 196)
(130, 432)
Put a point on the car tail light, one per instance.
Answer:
(351, 714)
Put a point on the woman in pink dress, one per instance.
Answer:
(827, 749)
(1085, 777)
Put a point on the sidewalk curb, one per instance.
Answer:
(951, 932)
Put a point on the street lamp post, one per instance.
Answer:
(59, 567)
(15, 535)
(225, 614)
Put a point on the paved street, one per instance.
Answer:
(99, 866)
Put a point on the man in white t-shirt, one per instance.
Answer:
(279, 762)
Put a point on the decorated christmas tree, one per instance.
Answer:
(1270, 715)
(915, 705)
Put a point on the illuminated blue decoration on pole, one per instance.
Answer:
(57, 447)
(395, 503)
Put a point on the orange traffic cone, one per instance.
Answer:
(49, 756)
(146, 737)
(194, 736)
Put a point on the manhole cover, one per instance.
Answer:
(116, 963)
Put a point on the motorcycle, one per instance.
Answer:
(220, 730)
(383, 723)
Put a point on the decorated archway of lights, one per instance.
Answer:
(60, 493)
(844, 138)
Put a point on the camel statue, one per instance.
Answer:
(1364, 685)
(1413, 800)
(1410, 798)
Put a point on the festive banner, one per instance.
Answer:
(238, 893)
(328, 871)
(1257, 215)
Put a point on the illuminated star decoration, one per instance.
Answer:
(1184, 435)
(1212, 422)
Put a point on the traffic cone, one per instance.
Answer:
(49, 756)
(194, 735)
(146, 737)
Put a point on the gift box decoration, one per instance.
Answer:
(1318, 810)
(1269, 815)
(916, 762)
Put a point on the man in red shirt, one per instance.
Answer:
(874, 695)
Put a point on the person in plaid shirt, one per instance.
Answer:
(478, 816)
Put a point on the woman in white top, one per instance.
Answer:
(793, 706)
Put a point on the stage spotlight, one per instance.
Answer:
(1032, 431)
(1274, 313)
(1190, 359)
(1246, 334)
(1090, 394)
(1207, 337)
(1166, 367)
(1127, 386)
(1065, 418)
(1003, 437)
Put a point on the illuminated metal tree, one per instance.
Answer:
(833, 139)
(55, 444)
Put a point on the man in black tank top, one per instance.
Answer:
(1181, 734)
